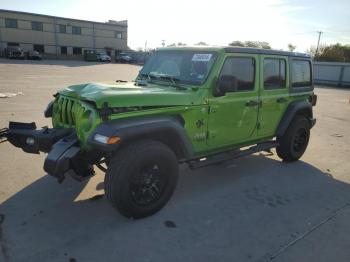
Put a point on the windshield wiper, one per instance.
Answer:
(148, 76)
(140, 81)
(175, 81)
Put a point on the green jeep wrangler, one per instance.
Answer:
(198, 106)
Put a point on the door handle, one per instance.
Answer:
(252, 103)
(281, 100)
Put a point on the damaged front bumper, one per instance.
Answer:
(61, 144)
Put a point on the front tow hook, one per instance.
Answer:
(3, 135)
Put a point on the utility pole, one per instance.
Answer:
(318, 42)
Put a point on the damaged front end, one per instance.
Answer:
(61, 144)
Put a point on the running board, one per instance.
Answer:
(229, 155)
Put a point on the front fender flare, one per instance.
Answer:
(168, 127)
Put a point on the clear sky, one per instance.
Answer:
(216, 22)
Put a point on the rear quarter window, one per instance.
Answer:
(301, 73)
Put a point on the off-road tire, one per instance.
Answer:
(132, 161)
(293, 143)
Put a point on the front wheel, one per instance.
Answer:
(141, 178)
(293, 143)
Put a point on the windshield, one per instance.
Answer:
(187, 67)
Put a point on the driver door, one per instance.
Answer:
(233, 116)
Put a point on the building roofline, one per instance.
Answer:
(59, 17)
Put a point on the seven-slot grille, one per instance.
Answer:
(67, 110)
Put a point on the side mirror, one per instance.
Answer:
(226, 83)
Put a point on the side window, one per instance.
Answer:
(301, 73)
(242, 69)
(76, 30)
(62, 29)
(274, 73)
(10, 23)
(37, 26)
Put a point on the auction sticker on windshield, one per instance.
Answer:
(201, 57)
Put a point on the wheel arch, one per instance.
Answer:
(300, 107)
(168, 130)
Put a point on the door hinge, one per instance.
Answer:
(212, 109)
(211, 134)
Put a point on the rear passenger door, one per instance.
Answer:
(274, 93)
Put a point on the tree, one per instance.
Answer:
(177, 44)
(264, 45)
(202, 43)
(254, 44)
(237, 43)
(333, 53)
(291, 47)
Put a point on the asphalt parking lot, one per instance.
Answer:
(251, 209)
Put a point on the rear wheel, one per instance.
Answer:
(141, 178)
(293, 143)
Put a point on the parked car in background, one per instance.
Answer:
(34, 55)
(14, 52)
(103, 57)
(124, 58)
(90, 55)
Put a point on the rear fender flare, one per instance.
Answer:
(297, 107)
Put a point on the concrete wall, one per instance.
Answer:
(332, 73)
(94, 35)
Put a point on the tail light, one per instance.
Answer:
(313, 99)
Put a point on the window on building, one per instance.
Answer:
(62, 29)
(39, 48)
(37, 26)
(301, 73)
(76, 30)
(77, 51)
(118, 35)
(63, 50)
(12, 44)
(10, 23)
(274, 73)
(242, 69)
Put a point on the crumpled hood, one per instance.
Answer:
(127, 94)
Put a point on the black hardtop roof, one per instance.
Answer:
(233, 49)
(263, 51)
